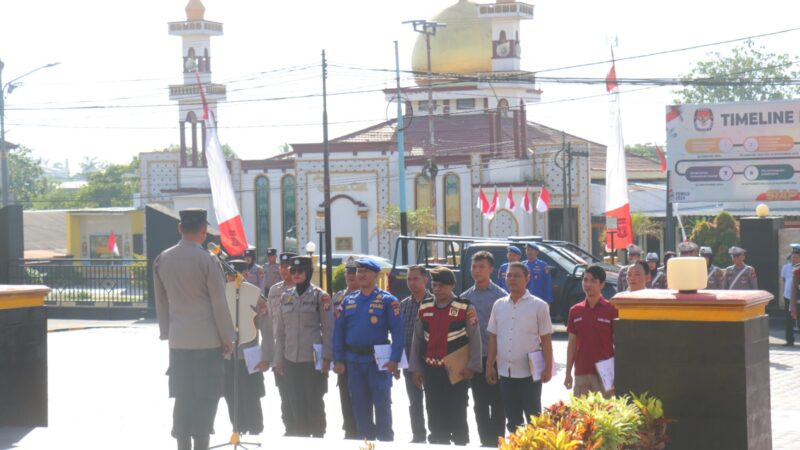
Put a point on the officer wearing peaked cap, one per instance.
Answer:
(365, 319)
(540, 284)
(351, 287)
(305, 318)
(254, 274)
(716, 276)
(688, 248)
(274, 303)
(740, 276)
(271, 269)
(514, 255)
(634, 254)
(193, 316)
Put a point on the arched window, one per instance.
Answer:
(452, 204)
(289, 200)
(423, 193)
(262, 217)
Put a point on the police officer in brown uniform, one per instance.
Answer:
(634, 254)
(273, 303)
(305, 318)
(716, 276)
(740, 276)
(271, 269)
(351, 286)
(255, 273)
(193, 315)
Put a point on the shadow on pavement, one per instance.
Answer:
(9, 436)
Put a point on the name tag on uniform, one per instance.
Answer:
(578, 319)
(376, 305)
(353, 306)
(427, 314)
(600, 319)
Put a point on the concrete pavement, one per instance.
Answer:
(108, 390)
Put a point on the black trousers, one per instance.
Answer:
(196, 383)
(349, 425)
(250, 390)
(488, 408)
(287, 415)
(789, 323)
(447, 407)
(305, 387)
(522, 398)
(416, 408)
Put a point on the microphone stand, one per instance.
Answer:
(235, 439)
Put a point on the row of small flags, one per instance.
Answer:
(488, 208)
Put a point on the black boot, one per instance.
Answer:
(184, 443)
(201, 442)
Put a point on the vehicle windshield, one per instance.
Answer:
(566, 261)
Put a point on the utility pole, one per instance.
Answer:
(401, 158)
(669, 222)
(428, 29)
(327, 179)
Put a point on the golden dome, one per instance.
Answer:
(463, 47)
(195, 10)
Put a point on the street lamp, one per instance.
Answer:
(9, 87)
(311, 247)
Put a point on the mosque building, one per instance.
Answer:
(474, 136)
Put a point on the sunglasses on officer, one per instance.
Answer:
(294, 270)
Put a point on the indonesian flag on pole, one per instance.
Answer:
(226, 209)
(662, 159)
(510, 205)
(484, 203)
(543, 203)
(112, 244)
(526, 203)
(617, 204)
(492, 206)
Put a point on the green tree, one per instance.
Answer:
(720, 234)
(747, 73)
(420, 221)
(27, 177)
(643, 227)
(647, 150)
(112, 186)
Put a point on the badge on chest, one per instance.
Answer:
(453, 311)
(373, 320)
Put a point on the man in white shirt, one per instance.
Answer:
(519, 324)
(786, 277)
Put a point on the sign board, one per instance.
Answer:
(611, 223)
(735, 152)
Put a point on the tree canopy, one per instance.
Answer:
(747, 73)
(26, 176)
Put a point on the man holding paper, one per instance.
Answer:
(518, 326)
(591, 336)
(445, 354)
(363, 320)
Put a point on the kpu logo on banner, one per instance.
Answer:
(703, 119)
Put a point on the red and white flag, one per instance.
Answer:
(226, 208)
(526, 203)
(617, 204)
(112, 244)
(492, 206)
(543, 202)
(510, 205)
(661, 158)
(483, 203)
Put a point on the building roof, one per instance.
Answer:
(45, 231)
(638, 167)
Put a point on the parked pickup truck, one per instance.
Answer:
(566, 260)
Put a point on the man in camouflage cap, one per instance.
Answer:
(716, 276)
(634, 254)
(688, 248)
(740, 276)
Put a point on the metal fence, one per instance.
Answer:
(87, 282)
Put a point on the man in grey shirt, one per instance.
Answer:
(193, 315)
(488, 405)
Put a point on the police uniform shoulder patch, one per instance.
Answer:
(396, 308)
(472, 317)
(326, 302)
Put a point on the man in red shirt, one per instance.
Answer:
(591, 335)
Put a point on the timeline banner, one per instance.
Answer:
(731, 152)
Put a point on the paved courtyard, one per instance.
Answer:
(108, 390)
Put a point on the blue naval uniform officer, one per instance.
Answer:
(364, 319)
(514, 254)
(540, 284)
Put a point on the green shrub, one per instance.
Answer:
(338, 278)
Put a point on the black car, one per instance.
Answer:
(566, 260)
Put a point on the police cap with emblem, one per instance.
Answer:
(350, 265)
(303, 262)
(443, 275)
(514, 249)
(239, 265)
(272, 251)
(706, 251)
(368, 263)
(286, 257)
(736, 251)
(532, 245)
(193, 216)
(795, 248)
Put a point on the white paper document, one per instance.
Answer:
(537, 365)
(605, 369)
(318, 358)
(252, 356)
(383, 353)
